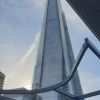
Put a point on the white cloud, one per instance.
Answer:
(90, 83)
(32, 49)
(21, 8)
(20, 73)
(21, 3)
(40, 3)
(15, 74)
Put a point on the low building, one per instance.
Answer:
(5, 98)
(19, 96)
(2, 77)
(22, 96)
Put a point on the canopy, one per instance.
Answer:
(89, 11)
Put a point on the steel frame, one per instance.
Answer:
(87, 44)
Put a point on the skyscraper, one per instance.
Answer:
(2, 77)
(55, 54)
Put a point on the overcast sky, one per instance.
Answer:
(20, 27)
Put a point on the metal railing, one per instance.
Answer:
(87, 44)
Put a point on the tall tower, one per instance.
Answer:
(55, 54)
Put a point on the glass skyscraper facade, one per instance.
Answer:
(55, 54)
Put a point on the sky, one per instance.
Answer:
(20, 28)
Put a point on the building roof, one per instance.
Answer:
(89, 11)
(22, 88)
